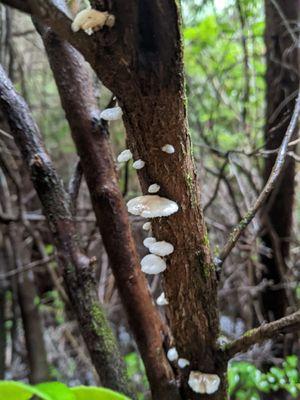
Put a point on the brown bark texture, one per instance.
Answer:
(282, 79)
(76, 267)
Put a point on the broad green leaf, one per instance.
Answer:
(56, 391)
(95, 393)
(10, 390)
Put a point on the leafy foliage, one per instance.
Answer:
(10, 390)
(247, 382)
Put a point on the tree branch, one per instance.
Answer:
(76, 267)
(288, 324)
(21, 5)
(269, 186)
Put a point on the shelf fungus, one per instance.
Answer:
(124, 156)
(149, 241)
(172, 354)
(203, 383)
(147, 226)
(168, 148)
(152, 206)
(138, 164)
(161, 248)
(154, 188)
(91, 20)
(111, 114)
(183, 362)
(153, 265)
(161, 300)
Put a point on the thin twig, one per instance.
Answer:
(275, 174)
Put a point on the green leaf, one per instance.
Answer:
(56, 391)
(10, 390)
(95, 393)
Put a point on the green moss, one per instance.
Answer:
(101, 328)
(205, 240)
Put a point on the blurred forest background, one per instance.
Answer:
(225, 67)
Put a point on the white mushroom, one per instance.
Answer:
(124, 156)
(154, 188)
(203, 383)
(138, 164)
(168, 148)
(161, 300)
(183, 362)
(161, 248)
(147, 226)
(153, 265)
(91, 20)
(112, 114)
(149, 241)
(172, 354)
(152, 206)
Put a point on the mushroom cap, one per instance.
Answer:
(111, 114)
(154, 188)
(138, 164)
(168, 148)
(183, 362)
(149, 241)
(152, 206)
(147, 226)
(161, 248)
(161, 300)
(124, 156)
(153, 265)
(203, 383)
(172, 354)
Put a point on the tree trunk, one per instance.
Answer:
(282, 80)
(151, 93)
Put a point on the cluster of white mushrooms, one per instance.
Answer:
(154, 206)
(90, 20)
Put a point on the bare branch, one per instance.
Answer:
(288, 324)
(273, 178)
(74, 186)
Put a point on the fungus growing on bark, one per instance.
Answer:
(147, 226)
(172, 354)
(161, 300)
(153, 265)
(154, 188)
(183, 362)
(149, 241)
(138, 164)
(168, 148)
(203, 383)
(112, 114)
(161, 248)
(152, 206)
(124, 156)
(91, 20)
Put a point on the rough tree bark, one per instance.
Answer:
(76, 267)
(282, 80)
